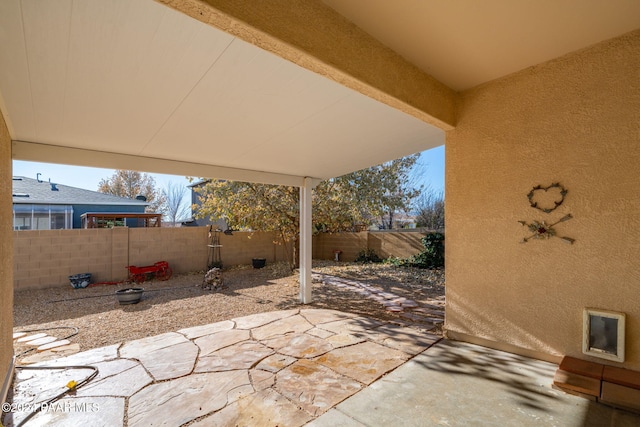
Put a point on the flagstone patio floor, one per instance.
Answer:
(294, 367)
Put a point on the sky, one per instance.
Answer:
(431, 162)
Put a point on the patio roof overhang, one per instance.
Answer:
(138, 85)
(274, 93)
(287, 92)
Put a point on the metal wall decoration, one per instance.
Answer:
(540, 229)
(540, 189)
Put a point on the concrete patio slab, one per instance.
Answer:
(460, 384)
(293, 367)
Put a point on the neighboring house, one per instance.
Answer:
(400, 220)
(196, 202)
(44, 205)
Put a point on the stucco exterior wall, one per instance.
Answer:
(6, 258)
(576, 121)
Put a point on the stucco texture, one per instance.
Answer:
(6, 253)
(576, 121)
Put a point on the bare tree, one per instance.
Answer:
(430, 208)
(176, 207)
(130, 184)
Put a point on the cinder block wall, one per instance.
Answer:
(242, 247)
(349, 243)
(45, 258)
(184, 248)
(399, 244)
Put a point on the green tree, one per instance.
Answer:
(256, 207)
(345, 203)
(130, 184)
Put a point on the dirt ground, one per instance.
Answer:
(180, 302)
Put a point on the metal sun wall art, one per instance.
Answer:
(540, 229)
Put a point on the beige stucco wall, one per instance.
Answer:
(6, 255)
(576, 121)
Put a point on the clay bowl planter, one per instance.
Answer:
(129, 295)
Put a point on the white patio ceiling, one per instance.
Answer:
(150, 88)
(138, 78)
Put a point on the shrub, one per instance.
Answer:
(433, 254)
(397, 262)
(368, 256)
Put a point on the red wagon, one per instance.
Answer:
(160, 270)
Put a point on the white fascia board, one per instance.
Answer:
(36, 152)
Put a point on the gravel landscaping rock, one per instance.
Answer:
(180, 302)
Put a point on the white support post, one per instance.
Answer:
(305, 241)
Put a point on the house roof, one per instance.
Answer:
(265, 93)
(32, 191)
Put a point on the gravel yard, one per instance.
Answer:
(180, 302)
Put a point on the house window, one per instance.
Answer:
(42, 217)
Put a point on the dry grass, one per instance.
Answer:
(181, 303)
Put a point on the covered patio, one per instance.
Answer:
(293, 92)
(303, 367)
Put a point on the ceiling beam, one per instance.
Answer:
(314, 36)
(35, 152)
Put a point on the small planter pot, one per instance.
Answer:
(129, 295)
(259, 262)
(79, 281)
